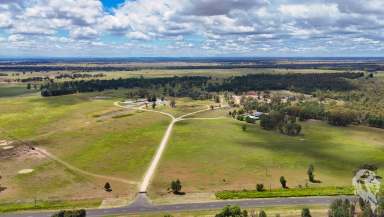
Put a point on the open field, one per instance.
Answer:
(215, 155)
(86, 132)
(14, 90)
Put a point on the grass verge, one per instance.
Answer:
(48, 205)
(294, 192)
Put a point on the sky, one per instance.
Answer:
(191, 28)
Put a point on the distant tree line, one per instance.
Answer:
(198, 85)
(79, 75)
(298, 82)
(173, 86)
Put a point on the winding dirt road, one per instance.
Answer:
(164, 141)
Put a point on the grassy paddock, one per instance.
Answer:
(14, 90)
(217, 155)
(293, 192)
(84, 132)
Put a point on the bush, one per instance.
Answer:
(70, 213)
(377, 122)
(272, 120)
(107, 187)
(290, 129)
(176, 186)
(341, 117)
(230, 211)
(342, 208)
(260, 187)
(262, 214)
(250, 120)
(283, 182)
(305, 213)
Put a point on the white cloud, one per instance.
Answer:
(83, 33)
(138, 36)
(307, 11)
(213, 26)
(15, 38)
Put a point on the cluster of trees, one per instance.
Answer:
(276, 120)
(337, 116)
(33, 79)
(194, 87)
(235, 211)
(346, 208)
(377, 122)
(79, 75)
(299, 82)
(197, 85)
(71, 213)
(341, 117)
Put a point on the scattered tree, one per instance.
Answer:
(311, 173)
(259, 187)
(153, 105)
(262, 214)
(283, 182)
(244, 127)
(107, 187)
(305, 212)
(176, 186)
(173, 103)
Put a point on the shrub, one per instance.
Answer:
(230, 211)
(290, 129)
(377, 122)
(283, 182)
(176, 186)
(250, 120)
(107, 187)
(260, 187)
(341, 117)
(305, 213)
(310, 173)
(262, 214)
(341, 208)
(70, 213)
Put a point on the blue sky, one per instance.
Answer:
(112, 3)
(118, 28)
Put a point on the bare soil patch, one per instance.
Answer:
(19, 151)
(25, 171)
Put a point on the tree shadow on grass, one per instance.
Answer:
(66, 100)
